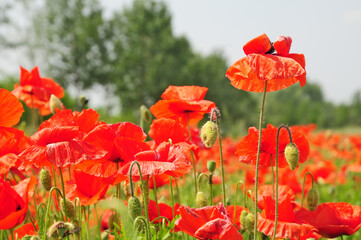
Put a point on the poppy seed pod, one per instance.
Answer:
(45, 179)
(209, 134)
(250, 220)
(70, 208)
(211, 165)
(55, 103)
(134, 207)
(292, 155)
(242, 219)
(201, 199)
(312, 199)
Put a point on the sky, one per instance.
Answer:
(327, 32)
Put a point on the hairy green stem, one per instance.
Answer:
(235, 199)
(303, 186)
(48, 208)
(193, 158)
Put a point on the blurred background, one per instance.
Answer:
(122, 54)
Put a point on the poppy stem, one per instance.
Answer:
(276, 166)
(48, 209)
(261, 115)
(235, 199)
(143, 190)
(12, 234)
(193, 158)
(210, 181)
(155, 194)
(64, 197)
(303, 186)
(217, 113)
(178, 193)
(171, 195)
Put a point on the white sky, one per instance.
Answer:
(328, 32)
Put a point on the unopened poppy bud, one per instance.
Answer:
(69, 208)
(55, 103)
(104, 235)
(312, 199)
(209, 134)
(56, 230)
(292, 155)
(35, 237)
(201, 199)
(242, 219)
(211, 165)
(26, 237)
(127, 190)
(250, 220)
(111, 222)
(145, 113)
(45, 179)
(134, 207)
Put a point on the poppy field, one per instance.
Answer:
(174, 174)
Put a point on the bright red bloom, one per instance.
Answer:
(279, 70)
(333, 219)
(10, 109)
(165, 159)
(164, 129)
(288, 226)
(164, 210)
(14, 202)
(265, 191)
(247, 148)
(59, 146)
(183, 102)
(86, 120)
(120, 141)
(89, 189)
(207, 223)
(35, 91)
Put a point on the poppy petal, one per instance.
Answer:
(10, 109)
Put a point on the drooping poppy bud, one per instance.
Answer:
(35, 237)
(312, 199)
(134, 207)
(127, 190)
(55, 103)
(45, 179)
(57, 230)
(292, 155)
(201, 199)
(111, 222)
(242, 219)
(70, 208)
(250, 221)
(145, 113)
(209, 134)
(211, 165)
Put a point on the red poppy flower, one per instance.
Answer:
(333, 219)
(164, 129)
(12, 142)
(59, 146)
(183, 102)
(14, 202)
(288, 225)
(247, 148)
(164, 210)
(86, 120)
(10, 109)
(279, 70)
(207, 223)
(265, 191)
(120, 141)
(89, 189)
(165, 159)
(35, 91)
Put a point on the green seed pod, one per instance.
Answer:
(145, 113)
(211, 165)
(209, 134)
(312, 199)
(55, 103)
(201, 199)
(291, 155)
(250, 221)
(45, 179)
(127, 190)
(70, 208)
(242, 219)
(134, 207)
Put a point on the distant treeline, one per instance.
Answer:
(135, 56)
